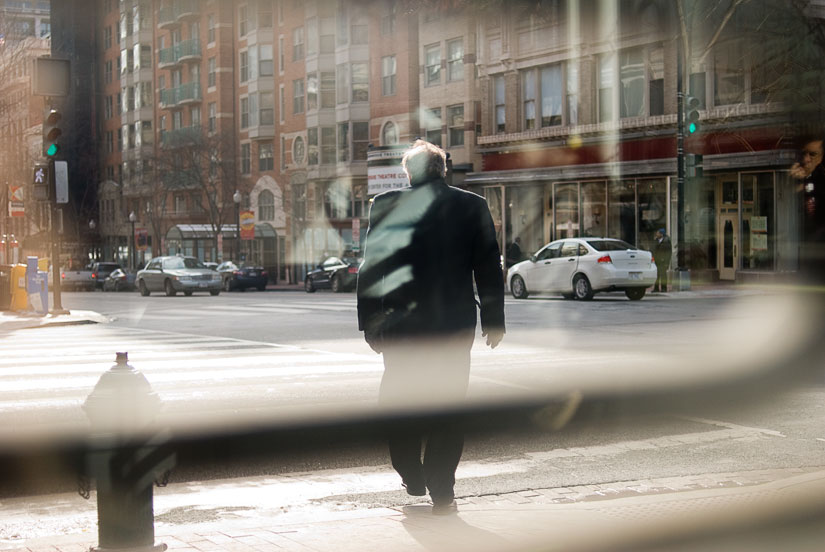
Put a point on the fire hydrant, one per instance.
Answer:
(127, 455)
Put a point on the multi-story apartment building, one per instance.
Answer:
(564, 118)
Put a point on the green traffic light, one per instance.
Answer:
(692, 128)
(51, 151)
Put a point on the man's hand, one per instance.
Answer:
(374, 341)
(493, 337)
(798, 171)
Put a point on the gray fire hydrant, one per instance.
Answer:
(127, 455)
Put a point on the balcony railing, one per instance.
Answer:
(171, 15)
(181, 136)
(189, 49)
(185, 93)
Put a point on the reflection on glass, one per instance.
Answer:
(594, 209)
(567, 210)
(621, 211)
(652, 210)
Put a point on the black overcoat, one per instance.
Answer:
(424, 246)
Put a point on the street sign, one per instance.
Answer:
(50, 76)
(61, 181)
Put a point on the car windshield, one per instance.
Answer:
(609, 245)
(182, 262)
(387, 328)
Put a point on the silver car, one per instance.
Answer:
(174, 274)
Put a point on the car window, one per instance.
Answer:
(582, 250)
(609, 245)
(550, 252)
(569, 249)
(154, 265)
(190, 262)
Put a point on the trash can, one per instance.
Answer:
(5, 287)
(19, 292)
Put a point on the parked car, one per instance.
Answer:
(76, 280)
(336, 273)
(100, 270)
(210, 264)
(580, 267)
(120, 279)
(235, 277)
(174, 274)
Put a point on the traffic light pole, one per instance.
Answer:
(680, 165)
(55, 238)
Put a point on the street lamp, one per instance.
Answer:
(132, 219)
(92, 226)
(236, 197)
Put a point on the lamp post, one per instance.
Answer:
(236, 197)
(92, 226)
(132, 219)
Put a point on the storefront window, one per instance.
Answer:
(758, 221)
(594, 209)
(652, 194)
(621, 221)
(493, 197)
(566, 199)
(524, 218)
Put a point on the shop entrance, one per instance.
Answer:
(729, 235)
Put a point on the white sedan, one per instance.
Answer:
(580, 267)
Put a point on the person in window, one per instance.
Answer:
(810, 173)
(425, 246)
(662, 252)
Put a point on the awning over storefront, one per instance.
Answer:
(205, 231)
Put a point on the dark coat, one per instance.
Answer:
(662, 252)
(424, 245)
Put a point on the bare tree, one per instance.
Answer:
(202, 165)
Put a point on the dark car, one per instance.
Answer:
(119, 279)
(100, 270)
(235, 277)
(336, 273)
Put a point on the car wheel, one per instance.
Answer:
(581, 288)
(170, 291)
(144, 291)
(308, 286)
(634, 294)
(214, 292)
(336, 284)
(517, 288)
(227, 285)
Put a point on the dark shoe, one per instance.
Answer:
(445, 509)
(413, 490)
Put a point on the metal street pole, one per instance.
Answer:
(236, 197)
(132, 219)
(55, 235)
(680, 165)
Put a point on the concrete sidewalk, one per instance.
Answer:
(590, 517)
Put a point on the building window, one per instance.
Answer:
(267, 108)
(210, 28)
(455, 60)
(266, 67)
(243, 21)
(298, 96)
(211, 72)
(388, 69)
(298, 44)
(264, 15)
(607, 64)
(360, 82)
(107, 37)
(108, 72)
(107, 104)
(542, 97)
(327, 145)
(455, 122)
(266, 206)
(213, 116)
(360, 33)
(728, 73)
(360, 140)
(312, 146)
(312, 36)
(110, 142)
(245, 159)
(244, 112)
(656, 80)
(244, 66)
(499, 101)
(632, 83)
(312, 91)
(266, 158)
(195, 116)
(432, 122)
(572, 92)
(342, 82)
(389, 135)
(432, 65)
(388, 21)
(281, 54)
(343, 142)
(180, 203)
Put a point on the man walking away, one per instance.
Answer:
(425, 246)
(662, 252)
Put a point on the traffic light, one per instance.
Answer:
(41, 181)
(51, 132)
(694, 165)
(692, 105)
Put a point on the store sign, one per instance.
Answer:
(142, 239)
(247, 225)
(384, 170)
(16, 206)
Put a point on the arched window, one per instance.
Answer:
(389, 136)
(266, 206)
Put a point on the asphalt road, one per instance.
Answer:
(566, 349)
